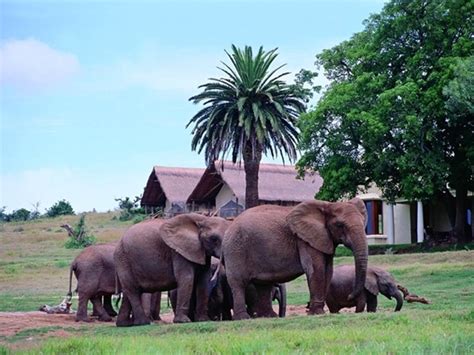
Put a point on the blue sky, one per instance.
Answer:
(94, 94)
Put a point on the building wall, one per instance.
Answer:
(225, 195)
(402, 233)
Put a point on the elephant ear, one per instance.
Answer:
(360, 205)
(308, 221)
(371, 282)
(181, 233)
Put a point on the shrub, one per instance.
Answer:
(130, 209)
(78, 236)
(20, 215)
(60, 208)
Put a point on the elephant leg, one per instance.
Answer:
(238, 295)
(108, 306)
(314, 264)
(97, 303)
(263, 306)
(155, 306)
(371, 302)
(146, 303)
(81, 315)
(95, 311)
(184, 273)
(202, 296)
(123, 317)
(139, 316)
(360, 303)
(329, 271)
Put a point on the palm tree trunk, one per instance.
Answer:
(252, 159)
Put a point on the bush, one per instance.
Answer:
(78, 236)
(60, 208)
(20, 215)
(129, 209)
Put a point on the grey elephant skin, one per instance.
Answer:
(378, 280)
(257, 303)
(95, 273)
(94, 269)
(220, 297)
(160, 255)
(273, 244)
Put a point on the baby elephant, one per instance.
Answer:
(378, 280)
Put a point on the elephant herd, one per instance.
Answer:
(218, 269)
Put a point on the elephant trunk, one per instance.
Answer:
(398, 296)
(361, 252)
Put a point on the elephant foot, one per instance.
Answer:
(84, 319)
(141, 322)
(270, 314)
(105, 318)
(241, 316)
(124, 323)
(316, 311)
(203, 318)
(181, 319)
(112, 313)
(156, 318)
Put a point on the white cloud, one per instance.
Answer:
(31, 64)
(84, 190)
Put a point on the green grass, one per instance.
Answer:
(34, 271)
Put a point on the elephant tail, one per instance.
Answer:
(282, 301)
(71, 270)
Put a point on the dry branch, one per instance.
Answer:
(410, 297)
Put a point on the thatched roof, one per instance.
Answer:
(275, 183)
(174, 184)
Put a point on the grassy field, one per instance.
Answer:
(34, 271)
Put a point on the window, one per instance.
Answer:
(374, 217)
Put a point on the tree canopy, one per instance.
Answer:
(249, 112)
(398, 111)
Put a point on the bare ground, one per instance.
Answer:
(11, 323)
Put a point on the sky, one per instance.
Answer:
(93, 94)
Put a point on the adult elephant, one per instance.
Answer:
(378, 280)
(273, 244)
(176, 253)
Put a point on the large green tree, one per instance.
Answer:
(249, 112)
(398, 111)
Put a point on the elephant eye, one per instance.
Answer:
(339, 224)
(214, 238)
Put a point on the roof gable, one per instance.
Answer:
(276, 183)
(174, 184)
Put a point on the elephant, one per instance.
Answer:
(95, 273)
(220, 297)
(378, 280)
(158, 255)
(221, 300)
(271, 244)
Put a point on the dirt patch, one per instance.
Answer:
(12, 323)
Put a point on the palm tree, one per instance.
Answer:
(247, 113)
